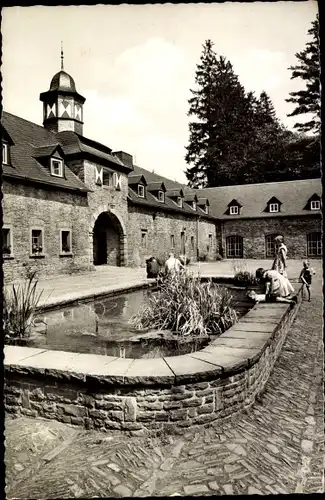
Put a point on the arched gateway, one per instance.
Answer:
(109, 240)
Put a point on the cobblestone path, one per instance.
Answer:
(275, 447)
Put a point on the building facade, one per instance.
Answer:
(71, 203)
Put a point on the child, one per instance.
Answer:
(261, 297)
(306, 276)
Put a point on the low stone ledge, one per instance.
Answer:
(150, 395)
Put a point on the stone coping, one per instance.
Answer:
(103, 292)
(237, 349)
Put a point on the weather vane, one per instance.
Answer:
(62, 56)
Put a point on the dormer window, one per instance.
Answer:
(5, 155)
(206, 209)
(315, 205)
(179, 201)
(274, 207)
(140, 191)
(234, 210)
(193, 205)
(56, 167)
(161, 196)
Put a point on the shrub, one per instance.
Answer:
(185, 305)
(184, 260)
(219, 257)
(19, 305)
(202, 257)
(242, 276)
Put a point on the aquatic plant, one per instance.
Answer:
(242, 276)
(188, 306)
(19, 306)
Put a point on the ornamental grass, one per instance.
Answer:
(187, 306)
(19, 306)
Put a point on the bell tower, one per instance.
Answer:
(62, 105)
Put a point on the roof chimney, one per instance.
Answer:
(125, 158)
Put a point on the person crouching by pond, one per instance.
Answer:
(306, 276)
(277, 287)
(280, 260)
(153, 268)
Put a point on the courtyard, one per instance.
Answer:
(277, 446)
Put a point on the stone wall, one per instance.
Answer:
(159, 227)
(27, 207)
(254, 231)
(155, 395)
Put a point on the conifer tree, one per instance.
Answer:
(218, 136)
(308, 69)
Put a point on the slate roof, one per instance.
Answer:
(73, 143)
(293, 195)
(172, 189)
(27, 136)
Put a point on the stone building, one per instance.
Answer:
(71, 203)
(252, 215)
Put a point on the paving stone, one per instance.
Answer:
(307, 445)
(214, 485)
(123, 491)
(254, 491)
(228, 489)
(195, 489)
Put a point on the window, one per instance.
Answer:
(315, 205)
(37, 241)
(194, 205)
(210, 242)
(314, 244)
(144, 238)
(183, 242)
(192, 242)
(56, 167)
(5, 155)
(179, 201)
(206, 209)
(106, 177)
(172, 241)
(161, 196)
(66, 241)
(234, 210)
(234, 246)
(141, 191)
(270, 245)
(6, 242)
(274, 207)
(117, 183)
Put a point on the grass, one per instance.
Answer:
(242, 276)
(185, 305)
(19, 306)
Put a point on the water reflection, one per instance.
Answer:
(102, 326)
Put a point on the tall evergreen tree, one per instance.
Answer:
(308, 69)
(218, 136)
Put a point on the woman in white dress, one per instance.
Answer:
(277, 286)
(280, 260)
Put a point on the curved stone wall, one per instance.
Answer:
(150, 395)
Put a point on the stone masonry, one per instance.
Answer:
(253, 232)
(141, 396)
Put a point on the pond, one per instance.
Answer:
(102, 327)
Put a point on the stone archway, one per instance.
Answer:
(108, 239)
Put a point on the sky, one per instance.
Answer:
(136, 64)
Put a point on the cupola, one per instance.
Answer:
(62, 105)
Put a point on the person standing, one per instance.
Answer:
(172, 265)
(306, 276)
(280, 260)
